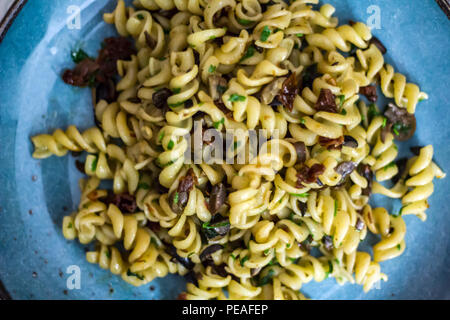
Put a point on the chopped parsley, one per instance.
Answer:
(300, 195)
(373, 112)
(335, 207)
(243, 260)
(206, 225)
(384, 122)
(341, 99)
(140, 16)
(399, 247)
(94, 164)
(212, 38)
(399, 127)
(132, 274)
(69, 226)
(249, 53)
(170, 145)
(267, 278)
(143, 185)
(212, 68)
(79, 55)
(221, 89)
(173, 105)
(175, 198)
(161, 136)
(244, 22)
(399, 213)
(236, 97)
(266, 252)
(233, 256)
(176, 90)
(155, 243)
(344, 112)
(299, 35)
(265, 34)
(302, 120)
(390, 165)
(217, 124)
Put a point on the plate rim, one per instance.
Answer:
(17, 6)
(10, 16)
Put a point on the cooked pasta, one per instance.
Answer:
(190, 193)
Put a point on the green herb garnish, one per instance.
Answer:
(212, 68)
(143, 185)
(217, 124)
(249, 53)
(176, 90)
(79, 55)
(267, 278)
(221, 89)
(372, 112)
(399, 127)
(173, 105)
(161, 136)
(236, 97)
(170, 145)
(265, 34)
(390, 165)
(140, 16)
(132, 274)
(341, 100)
(175, 198)
(300, 195)
(299, 35)
(243, 260)
(94, 164)
(344, 112)
(302, 120)
(266, 252)
(399, 247)
(206, 225)
(69, 226)
(155, 243)
(335, 207)
(384, 122)
(273, 261)
(244, 22)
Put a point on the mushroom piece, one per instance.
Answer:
(350, 142)
(217, 228)
(217, 197)
(345, 168)
(326, 101)
(208, 251)
(186, 262)
(217, 86)
(289, 90)
(300, 149)
(271, 90)
(403, 122)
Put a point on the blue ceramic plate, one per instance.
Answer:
(35, 195)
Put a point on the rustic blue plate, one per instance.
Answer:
(35, 195)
